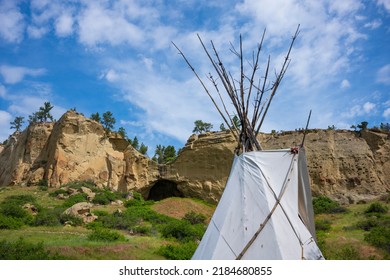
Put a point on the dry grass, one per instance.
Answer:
(177, 207)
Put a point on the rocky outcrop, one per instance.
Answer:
(347, 166)
(74, 148)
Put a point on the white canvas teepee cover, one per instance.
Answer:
(265, 211)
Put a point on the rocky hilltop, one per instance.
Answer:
(342, 164)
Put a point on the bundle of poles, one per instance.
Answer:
(250, 95)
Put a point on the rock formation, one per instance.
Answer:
(342, 164)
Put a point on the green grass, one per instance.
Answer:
(345, 240)
(159, 230)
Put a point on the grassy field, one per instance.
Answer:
(168, 229)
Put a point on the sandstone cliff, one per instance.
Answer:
(74, 148)
(342, 164)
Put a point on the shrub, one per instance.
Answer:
(347, 253)
(379, 237)
(78, 184)
(49, 217)
(57, 192)
(183, 251)
(10, 222)
(23, 250)
(194, 218)
(324, 225)
(80, 197)
(43, 185)
(367, 224)
(182, 230)
(101, 198)
(323, 204)
(70, 219)
(12, 207)
(376, 208)
(105, 235)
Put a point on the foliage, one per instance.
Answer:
(78, 184)
(108, 121)
(122, 132)
(347, 253)
(164, 154)
(17, 123)
(323, 204)
(385, 127)
(135, 143)
(222, 127)
(72, 200)
(379, 237)
(104, 197)
(43, 115)
(12, 208)
(376, 208)
(324, 225)
(331, 127)
(96, 117)
(105, 235)
(143, 149)
(194, 218)
(7, 222)
(49, 217)
(183, 251)
(23, 250)
(70, 219)
(201, 127)
(182, 230)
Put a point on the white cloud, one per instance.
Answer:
(360, 110)
(383, 75)
(100, 25)
(15, 74)
(345, 84)
(373, 24)
(386, 113)
(64, 25)
(368, 107)
(5, 119)
(385, 3)
(11, 22)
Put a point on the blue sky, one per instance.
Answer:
(117, 56)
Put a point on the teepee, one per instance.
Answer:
(265, 211)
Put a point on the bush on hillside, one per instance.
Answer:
(23, 250)
(105, 235)
(379, 237)
(324, 225)
(72, 200)
(183, 251)
(182, 230)
(376, 208)
(49, 217)
(325, 205)
(195, 218)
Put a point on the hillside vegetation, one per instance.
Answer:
(33, 226)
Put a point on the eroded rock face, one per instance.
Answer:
(342, 164)
(74, 148)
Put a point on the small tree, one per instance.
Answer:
(201, 127)
(44, 112)
(362, 125)
(164, 154)
(96, 117)
(17, 123)
(122, 132)
(135, 143)
(143, 149)
(108, 121)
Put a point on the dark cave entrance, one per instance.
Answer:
(164, 189)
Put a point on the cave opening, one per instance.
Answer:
(163, 189)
